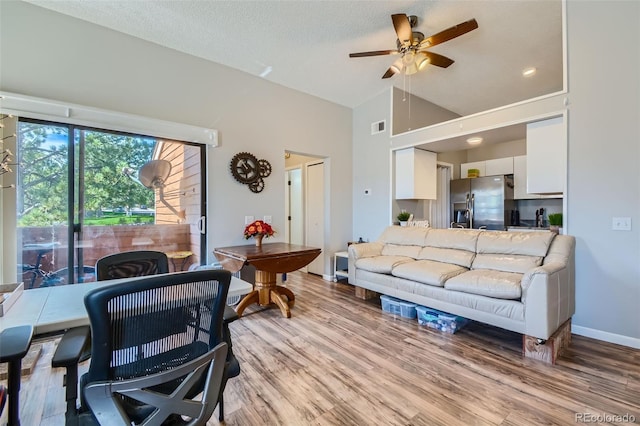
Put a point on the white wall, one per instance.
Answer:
(53, 56)
(604, 153)
(603, 159)
(371, 169)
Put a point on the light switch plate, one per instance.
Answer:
(621, 224)
(248, 220)
(267, 219)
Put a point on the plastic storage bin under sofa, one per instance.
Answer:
(391, 305)
(439, 320)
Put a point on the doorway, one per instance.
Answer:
(305, 204)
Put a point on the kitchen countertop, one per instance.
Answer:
(527, 228)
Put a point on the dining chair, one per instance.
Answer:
(156, 344)
(131, 264)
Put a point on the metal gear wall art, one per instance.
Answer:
(248, 170)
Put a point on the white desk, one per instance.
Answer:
(53, 309)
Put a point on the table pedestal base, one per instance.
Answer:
(267, 292)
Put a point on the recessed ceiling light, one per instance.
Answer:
(528, 72)
(474, 141)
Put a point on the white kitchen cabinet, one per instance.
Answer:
(416, 174)
(520, 181)
(546, 156)
(499, 166)
(480, 165)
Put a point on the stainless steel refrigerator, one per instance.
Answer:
(482, 203)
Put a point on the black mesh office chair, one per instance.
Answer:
(131, 264)
(156, 342)
(232, 366)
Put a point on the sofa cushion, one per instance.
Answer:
(523, 243)
(404, 235)
(457, 257)
(498, 284)
(400, 250)
(461, 239)
(506, 262)
(381, 264)
(428, 271)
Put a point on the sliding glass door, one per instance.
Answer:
(85, 193)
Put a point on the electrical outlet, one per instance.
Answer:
(621, 224)
(267, 219)
(248, 220)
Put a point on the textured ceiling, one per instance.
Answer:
(306, 44)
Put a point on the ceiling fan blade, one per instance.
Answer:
(450, 33)
(438, 60)
(390, 72)
(403, 29)
(372, 53)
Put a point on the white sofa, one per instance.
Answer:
(519, 281)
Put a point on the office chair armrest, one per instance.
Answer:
(230, 314)
(15, 342)
(74, 344)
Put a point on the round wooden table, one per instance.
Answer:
(269, 259)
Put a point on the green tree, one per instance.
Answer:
(43, 156)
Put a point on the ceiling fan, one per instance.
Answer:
(412, 45)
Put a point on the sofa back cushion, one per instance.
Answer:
(400, 250)
(522, 243)
(460, 239)
(404, 235)
(511, 251)
(447, 255)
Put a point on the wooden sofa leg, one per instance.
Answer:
(547, 351)
(364, 294)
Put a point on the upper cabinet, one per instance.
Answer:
(499, 166)
(416, 174)
(546, 156)
(478, 165)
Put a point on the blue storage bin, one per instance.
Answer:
(439, 320)
(394, 306)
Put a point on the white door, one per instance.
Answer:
(315, 214)
(295, 211)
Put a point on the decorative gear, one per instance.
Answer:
(245, 168)
(265, 168)
(257, 185)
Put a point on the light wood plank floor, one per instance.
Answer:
(341, 361)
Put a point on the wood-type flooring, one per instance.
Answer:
(340, 360)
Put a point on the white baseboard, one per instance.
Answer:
(618, 339)
(328, 277)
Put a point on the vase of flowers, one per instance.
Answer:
(258, 229)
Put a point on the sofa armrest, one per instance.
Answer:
(548, 269)
(548, 295)
(358, 251)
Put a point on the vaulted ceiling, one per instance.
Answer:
(305, 45)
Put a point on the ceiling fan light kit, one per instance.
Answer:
(411, 45)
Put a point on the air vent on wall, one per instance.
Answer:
(378, 127)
